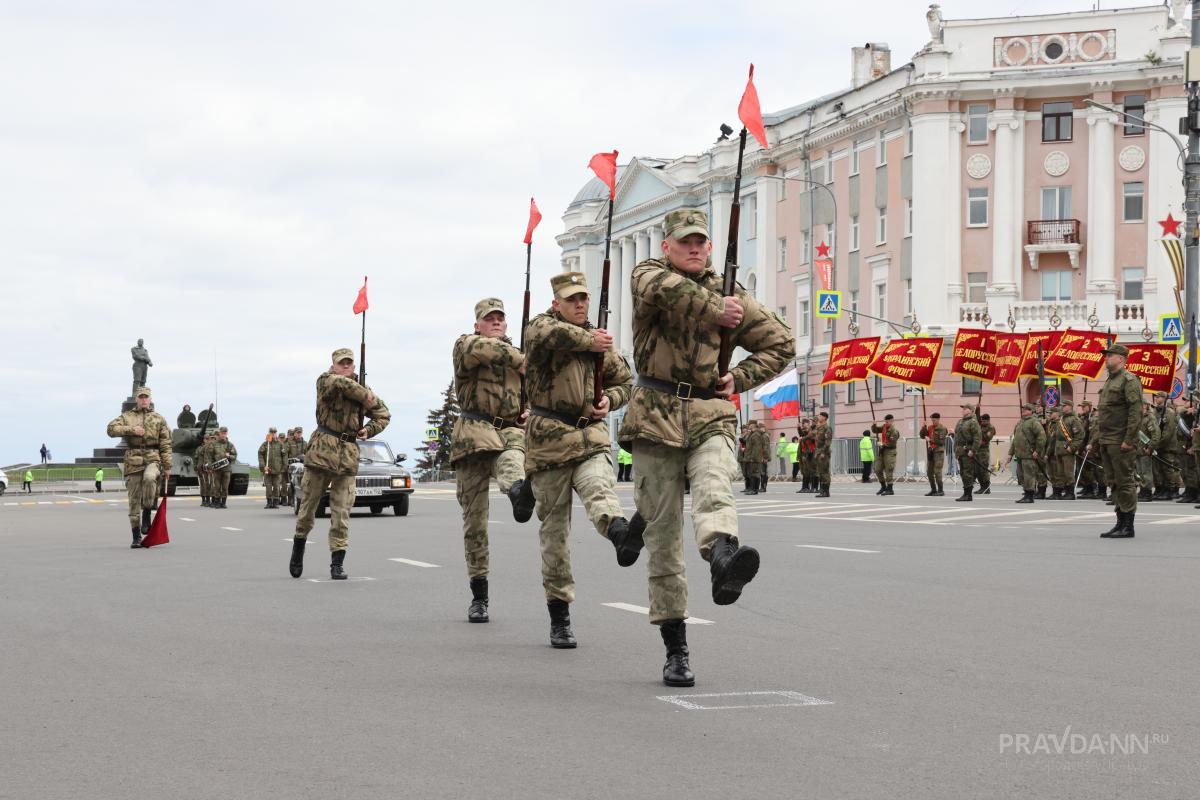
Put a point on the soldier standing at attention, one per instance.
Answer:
(1191, 478)
(568, 443)
(743, 457)
(1027, 444)
(331, 458)
(885, 465)
(934, 435)
(1083, 461)
(147, 459)
(1166, 467)
(186, 418)
(222, 453)
(488, 439)
(200, 464)
(823, 453)
(271, 462)
(1146, 440)
(968, 441)
(297, 446)
(1066, 436)
(758, 445)
(681, 423)
(987, 432)
(1120, 400)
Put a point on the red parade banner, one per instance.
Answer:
(848, 360)
(911, 361)
(1154, 364)
(974, 354)
(825, 270)
(1078, 353)
(1010, 354)
(1049, 340)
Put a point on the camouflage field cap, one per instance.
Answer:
(272, 430)
(487, 306)
(1083, 403)
(342, 352)
(566, 284)
(1067, 404)
(1161, 394)
(1027, 407)
(142, 391)
(686, 221)
(1116, 350)
(222, 429)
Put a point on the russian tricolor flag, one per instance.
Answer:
(781, 395)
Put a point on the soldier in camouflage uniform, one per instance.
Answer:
(271, 462)
(934, 435)
(1146, 440)
(987, 433)
(186, 418)
(681, 423)
(885, 464)
(1084, 465)
(743, 457)
(489, 437)
(1187, 459)
(297, 445)
(1118, 438)
(1166, 466)
(823, 452)
(968, 444)
(568, 446)
(203, 474)
(757, 444)
(804, 457)
(147, 459)
(331, 458)
(1027, 445)
(1068, 443)
(220, 450)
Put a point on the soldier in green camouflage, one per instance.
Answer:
(568, 446)
(1187, 459)
(934, 435)
(1145, 461)
(1067, 436)
(968, 443)
(331, 458)
(823, 453)
(885, 464)
(1027, 446)
(147, 464)
(757, 443)
(489, 437)
(222, 454)
(743, 457)
(297, 445)
(1120, 419)
(1084, 466)
(680, 423)
(987, 433)
(271, 462)
(1166, 467)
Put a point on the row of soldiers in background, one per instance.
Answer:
(274, 455)
(809, 452)
(973, 436)
(754, 449)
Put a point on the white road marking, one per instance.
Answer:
(692, 702)
(1171, 520)
(187, 519)
(45, 503)
(979, 517)
(411, 563)
(646, 611)
(889, 515)
(224, 528)
(12, 504)
(843, 549)
(331, 580)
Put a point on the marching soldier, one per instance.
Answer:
(886, 463)
(1166, 466)
(934, 435)
(488, 439)
(988, 433)
(331, 458)
(968, 441)
(1145, 462)
(1120, 398)
(272, 462)
(568, 443)
(1027, 444)
(1052, 462)
(823, 453)
(680, 422)
(147, 459)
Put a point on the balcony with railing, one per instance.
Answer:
(1037, 314)
(1052, 236)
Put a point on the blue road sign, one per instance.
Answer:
(1170, 329)
(1050, 396)
(1176, 388)
(829, 303)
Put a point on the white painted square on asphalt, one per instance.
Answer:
(729, 701)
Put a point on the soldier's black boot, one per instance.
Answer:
(1144, 495)
(1117, 528)
(521, 496)
(882, 489)
(732, 567)
(966, 495)
(1068, 493)
(296, 565)
(478, 612)
(626, 537)
(1026, 496)
(270, 503)
(1189, 495)
(677, 671)
(1101, 492)
(985, 489)
(203, 501)
(1041, 493)
(1088, 493)
(932, 488)
(561, 635)
(762, 484)
(824, 489)
(890, 489)
(137, 538)
(335, 566)
(145, 521)
(1126, 531)
(941, 488)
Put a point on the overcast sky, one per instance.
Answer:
(218, 177)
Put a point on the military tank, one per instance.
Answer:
(184, 442)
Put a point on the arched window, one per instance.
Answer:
(752, 285)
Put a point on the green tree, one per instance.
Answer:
(442, 420)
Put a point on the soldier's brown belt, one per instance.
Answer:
(499, 423)
(566, 419)
(684, 391)
(342, 437)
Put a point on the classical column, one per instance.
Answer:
(934, 211)
(1005, 285)
(642, 251)
(591, 257)
(622, 326)
(656, 240)
(1102, 213)
(718, 226)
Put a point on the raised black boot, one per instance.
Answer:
(561, 635)
(732, 567)
(478, 612)
(677, 671)
(1026, 496)
(626, 537)
(521, 496)
(966, 495)
(335, 566)
(1117, 528)
(137, 538)
(296, 565)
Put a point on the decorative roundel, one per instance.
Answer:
(1056, 163)
(1025, 51)
(1054, 49)
(979, 166)
(1132, 158)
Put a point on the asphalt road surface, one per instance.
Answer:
(900, 647)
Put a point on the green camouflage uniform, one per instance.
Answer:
(1028, 446)
(885, 464)
(331, 461)
(968, 450)
(1119, 423)
(755, 451)
(1083, 456)
(1187, 458)
(1146, 441)
(676, 339)
(823, 440)
(145, 457)
(1166, 475)
(272, 462)
(987, 434)
(218, 450)
(559, 458)
(934, 435)
(486, 382)
(1068, 441)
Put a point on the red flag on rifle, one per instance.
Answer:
(158, 528)
(360, 302)
(605, 167)
(750, 113)
(535, 217)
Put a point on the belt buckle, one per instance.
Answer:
(582, 422)
(498, 423)
(346, 437)
(679, 390)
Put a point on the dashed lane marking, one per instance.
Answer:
(646, 611)
(226, 528)
(412, 563)
(344, 580)
(728, 701)
(187, 519)
(842, 549)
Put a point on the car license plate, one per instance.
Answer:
(368, 491)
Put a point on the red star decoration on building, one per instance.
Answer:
(1170, 226)
(823, 249)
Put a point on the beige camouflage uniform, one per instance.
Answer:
(145, 457)
(486, 382)
(676, 338)
(330, 461)
(559, 457)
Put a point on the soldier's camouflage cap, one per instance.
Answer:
(1116, 350)
(1083, 403)
(1161, 394)
(142, 391)
(1067, 404)
(487, 306)
(1028, 407)
(272, 430)
(566, 284)
(222, 429)
(936, 415)
(686, 221)
(342, 352)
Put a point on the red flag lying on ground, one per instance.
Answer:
(535, 217)
(1154, 364)
(750, 113)
(158, 528)
(360, 302)
(605, 167)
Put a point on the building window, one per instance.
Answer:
(1056, 284)
(805, 247)
(1056, 122)
(853, 232)
(1056, 202)
(854, 300)
(854, 145)
(1131, 283)
(802, 316)
(804, 393)
(783, 254)
(881, 226)
(908, 216)
(908, 296)
(976, 287)
(827, 395)
(881, 150)
(972, 386)
(1135, 106)
(878, 389)
(908, 139)
(828, 166)
(977, 130)
(783, 313)
(881, 300)
(977, 207)
(752, 222)
(831, 232)
(1135, 196)
(850, 393)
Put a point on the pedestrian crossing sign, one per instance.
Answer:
(829, 303)
(1170, 329)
